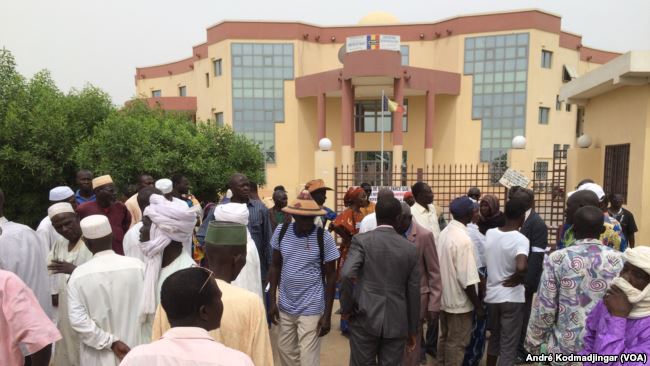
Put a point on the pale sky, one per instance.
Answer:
(102, 42)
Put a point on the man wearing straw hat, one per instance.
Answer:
(303, 268)
(104, 296)
(243, 325)
(108, 205)
(67, 253)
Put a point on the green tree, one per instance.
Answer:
(139, 139)
(39, 126)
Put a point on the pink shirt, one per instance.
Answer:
(181, 346)
(22, 321)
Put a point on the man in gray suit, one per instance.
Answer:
(385, 306)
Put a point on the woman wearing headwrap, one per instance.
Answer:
(620, 323)
(346, 225)
(490, 216)
(250, 276)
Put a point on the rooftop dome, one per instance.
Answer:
(379, 18)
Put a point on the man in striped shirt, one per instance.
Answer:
(304, 258)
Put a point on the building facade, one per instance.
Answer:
(468, 85)
(616, 124)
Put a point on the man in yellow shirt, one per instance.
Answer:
(243, 325)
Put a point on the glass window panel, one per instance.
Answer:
(287, 61)
(510, 52)
(496, 133)
(268, 49)
(268, 93)
(498, 88)
(247, 49)
(278, 93)
(478, 89)
(247, 72)
(268, 104)
(476, 113)
(498, 66)
(236, 48)
(522, 39)
(519, 111)
(490, 42)
(257, 49)
(522, 63)
(257, 61)
(288, 49)
(520, 87)
(500, 41)
(478, 100)
(509, 65)
(288, 73)
(488, 88)
(489, 54)
(518, 131)
(237, 93)
(237, 60)
(509, 77)
(469, 43)
(259, 116)
(487, 133)
(498, 77)
(508, 111)
(480, 42)
(479, 55)
(469, 56)
(237, 103)
(258, 83)
(521, 52)
(489, 66)
(279, 115)
(248, 104)
(236, 72)
(511, 40)
(478, 67)
(520, 122)
(478, 79)
(469, 68)
(520, 76)
(258, 73)
(520, 99)
(278, 49)
(278, 103)
(508, 99)
(248, 115)
(499, 53)
(248, 93)
(489, 78)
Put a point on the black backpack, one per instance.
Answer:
(321, 246)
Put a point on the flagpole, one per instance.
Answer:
(383, 100)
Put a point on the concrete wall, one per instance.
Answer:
(621, 116)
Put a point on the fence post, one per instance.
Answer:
(420, 175)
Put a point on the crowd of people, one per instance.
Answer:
(162, 279)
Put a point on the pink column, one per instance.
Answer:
(347, 103)
(398, 135)
(351, 114)
(320, 109)
(430, 118)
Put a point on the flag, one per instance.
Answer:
(393, 106)
(373, 41)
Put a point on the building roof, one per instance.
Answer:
(632, 68)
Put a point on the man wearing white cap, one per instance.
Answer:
(104, 296)
(108, 205)
(67, 253)
(166, 186)
(23, 253)
(131, 243)
(45, 228)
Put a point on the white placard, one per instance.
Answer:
(513, 178)
(356, 43)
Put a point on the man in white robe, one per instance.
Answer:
(67, 253)
(131, 241)
(104, 296)
(23, 253)
(45, 228)
(249, 277)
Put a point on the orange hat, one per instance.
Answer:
(304, 205)
(316, 184)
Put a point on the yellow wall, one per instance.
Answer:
(622, 116)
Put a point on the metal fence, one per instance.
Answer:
(448, 181)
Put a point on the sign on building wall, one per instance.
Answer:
(398, 191)
(372, 42)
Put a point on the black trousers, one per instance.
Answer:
(528, 305)
(367, 349)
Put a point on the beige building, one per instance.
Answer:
(468, 85)
(616, 125)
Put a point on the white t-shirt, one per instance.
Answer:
(501, 249)
(369, 223)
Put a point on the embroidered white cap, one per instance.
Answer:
(59, 208)
(60, 193)
(95, 226)
(164, 185)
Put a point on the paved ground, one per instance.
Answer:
(335, 348)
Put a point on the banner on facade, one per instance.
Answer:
(372, 42)
(513, 178)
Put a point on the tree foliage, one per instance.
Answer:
(47, 135)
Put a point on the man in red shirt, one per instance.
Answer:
(108, 205)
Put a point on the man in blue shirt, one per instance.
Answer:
(303, 268)
(85, 192)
